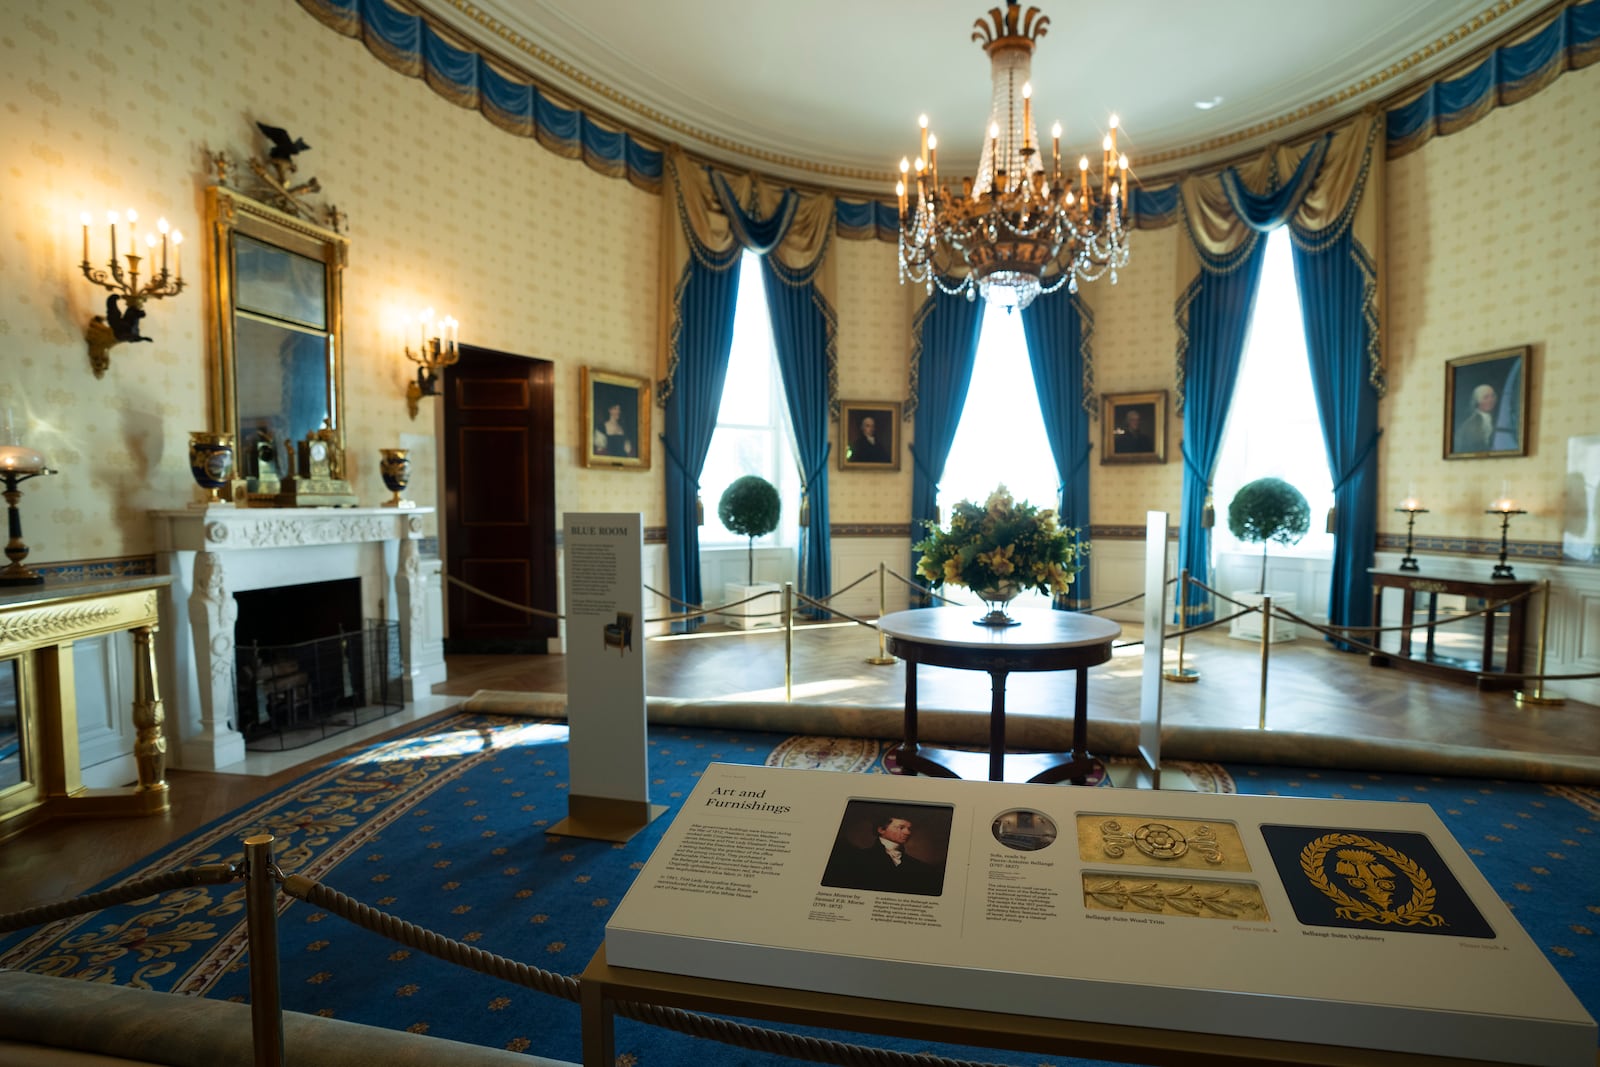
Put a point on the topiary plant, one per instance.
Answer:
(750, 506)
(1269, 509)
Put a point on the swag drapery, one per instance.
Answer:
(1329, 193)
(707, 223)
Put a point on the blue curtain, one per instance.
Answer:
(946, 337)
(1057, 327)
(1219, 307)
(706, 298)
(803, 330)
(1334, 282)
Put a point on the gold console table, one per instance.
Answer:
(38, 626)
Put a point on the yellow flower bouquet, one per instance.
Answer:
(1001, 547)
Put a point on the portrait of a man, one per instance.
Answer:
(868, 435)
(1133, 428)
(1486, 405)
(884, 847)
(1134, 433)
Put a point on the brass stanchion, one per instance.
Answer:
(882, 659)
(1180, 673)
(1266, 643)
(788, 642)
(1537, 694)
(261, 928)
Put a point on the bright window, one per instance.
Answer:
(1273, 426)
(1000, 438)
(752, 435)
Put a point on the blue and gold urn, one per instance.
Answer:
(211, 463)
(395, 466)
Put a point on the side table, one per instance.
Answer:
(1044, 641)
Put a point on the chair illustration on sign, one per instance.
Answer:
(619, 634)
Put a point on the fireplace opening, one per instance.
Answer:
(309, 666)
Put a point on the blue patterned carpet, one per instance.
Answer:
(444, 828)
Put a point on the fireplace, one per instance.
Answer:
(307, 665)
(301, 559)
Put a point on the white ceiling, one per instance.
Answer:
(828, 91)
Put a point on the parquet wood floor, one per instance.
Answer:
(1314, 693)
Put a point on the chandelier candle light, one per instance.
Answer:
(122, 324)
(1016, 230)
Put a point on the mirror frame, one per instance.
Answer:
(231, 213)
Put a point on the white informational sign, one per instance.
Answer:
(1155, 629)
(605, 640)
(1335, 922)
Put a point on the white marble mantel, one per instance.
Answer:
(214, 552)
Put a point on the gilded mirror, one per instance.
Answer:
(278, 377)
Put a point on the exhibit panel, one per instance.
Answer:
(1334, 922)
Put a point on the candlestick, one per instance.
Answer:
(1503, 569)
(1412, 509)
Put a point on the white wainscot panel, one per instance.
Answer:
(854, 557)
(103, 673)
(1116, 570)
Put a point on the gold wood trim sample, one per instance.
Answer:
(1186, 844)
(1166, 895)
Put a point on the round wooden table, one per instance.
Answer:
(1045, 641)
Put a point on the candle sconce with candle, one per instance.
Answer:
(437, 349)
(121, 323)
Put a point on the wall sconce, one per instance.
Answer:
(122, 324)
(435, 351)
(18, 463)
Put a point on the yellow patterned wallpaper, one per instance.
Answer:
(1494, 241)
(115, 108)
(1134, 345)
(538, 255)
(874, 345)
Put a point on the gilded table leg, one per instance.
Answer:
(149, 717)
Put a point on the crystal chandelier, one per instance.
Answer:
(1017, 229)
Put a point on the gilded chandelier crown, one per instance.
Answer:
(1014, 231)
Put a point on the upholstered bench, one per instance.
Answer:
(61, 1022)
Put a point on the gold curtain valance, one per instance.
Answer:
(1217, 230)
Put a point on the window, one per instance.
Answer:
(1273, 426)
(1001, 436)
(753, 434)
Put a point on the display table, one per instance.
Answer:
(1045, 641)
(38, 625)
(1511, 594)
(1158, 926)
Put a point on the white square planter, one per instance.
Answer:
(759, 612)
(1248, 627)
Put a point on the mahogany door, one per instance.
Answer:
(500, 500)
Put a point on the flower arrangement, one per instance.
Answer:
(1001, 546)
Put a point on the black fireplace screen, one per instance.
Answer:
(292, 695)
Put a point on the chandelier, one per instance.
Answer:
(1016, 230)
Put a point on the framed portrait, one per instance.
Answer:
(1133, 427)
(1486, 405)
(616, 420)
(869, 435)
